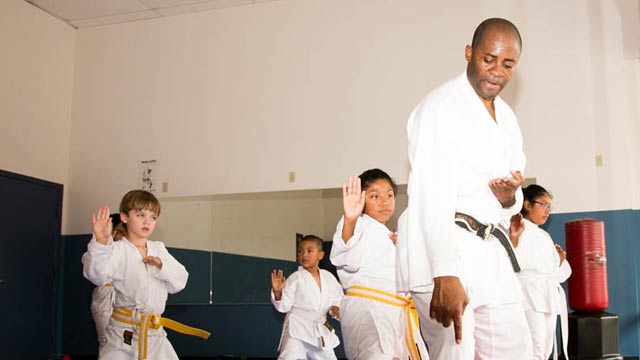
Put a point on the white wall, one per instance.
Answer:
(627, 51)
(36, 81)
(635, 129)
(230, 101)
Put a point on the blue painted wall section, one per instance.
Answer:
(244, 279)
(78, 332)
(243, 323)
(198, 264)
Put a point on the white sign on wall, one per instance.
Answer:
(148, 177)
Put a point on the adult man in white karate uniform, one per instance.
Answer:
(465, 150)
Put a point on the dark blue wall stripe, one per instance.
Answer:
(198, 264)
(78, 332)
(241, 279)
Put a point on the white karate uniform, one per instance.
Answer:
(102, 299)
(371, 329)
(304, 334)
(101, 307)
(455, 149)
(544, 298)
(138, 287)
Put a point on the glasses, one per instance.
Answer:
(544, 205)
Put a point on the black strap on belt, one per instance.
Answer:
(483, 231)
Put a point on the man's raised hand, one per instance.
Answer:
(504, 189)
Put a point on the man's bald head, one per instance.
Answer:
(499, 24)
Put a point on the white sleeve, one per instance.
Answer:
(336, 291)
(518, 163)
(172, 272)
(507, 213)
(563, 271)
(347, 256)
(288, 294)
(433, 187)
(100, 262)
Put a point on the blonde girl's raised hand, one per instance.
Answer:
(102, 225)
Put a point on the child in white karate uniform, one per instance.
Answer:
(373, 316)
(142, 273)
(103, 296)
(543, 268)
(306, 296)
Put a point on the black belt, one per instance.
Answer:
(484, 231)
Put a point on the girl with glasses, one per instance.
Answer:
(543, 267)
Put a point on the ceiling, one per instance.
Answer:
(88, 13)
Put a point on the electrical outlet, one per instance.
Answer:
(599, 160)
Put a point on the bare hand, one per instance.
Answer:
(516, 228)
(562, 253)
(277, 283)
(102, 225)
(448, 303)
(153, 260)
(394, 237)
(352, 198)
(504, 189)
(334, 312)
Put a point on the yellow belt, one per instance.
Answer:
(153, 321)
(394, 300)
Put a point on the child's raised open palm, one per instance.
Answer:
(277, 283)
(102, 225)
(352, 198)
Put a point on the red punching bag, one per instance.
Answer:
(588, 258)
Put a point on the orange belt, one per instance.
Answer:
(394, 300)
(153, 321)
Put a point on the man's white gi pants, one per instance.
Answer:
(494, 325)
(488, 332)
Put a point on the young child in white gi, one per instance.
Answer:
(373, 316)
(543, 268)
(306, 296)
(142, 273)
(103, 296)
